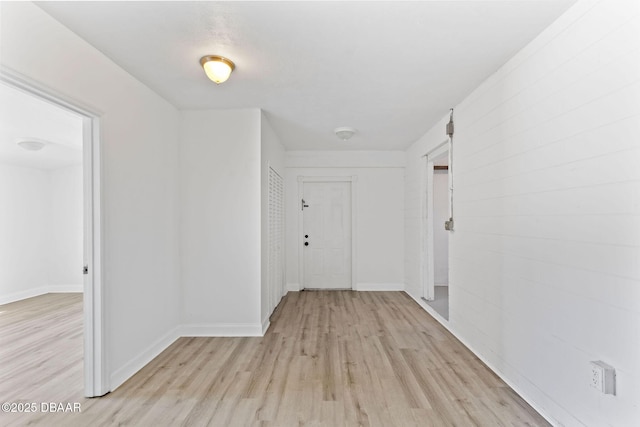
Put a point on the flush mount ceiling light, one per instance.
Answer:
(32, 144)
(217, 68)
(344, 132)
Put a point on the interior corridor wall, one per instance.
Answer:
(220, 222)
(139, 137)
(379, 212)
(545, 256)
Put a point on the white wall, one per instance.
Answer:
(272, 155)
(41, 231)
(139, 150)
(440, 235)
(66, 250)
(220, 227)
(25, 231)
(379, 212)
(545, 257)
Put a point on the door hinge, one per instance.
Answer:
(85, 269)
(448, 225)
(450, 125)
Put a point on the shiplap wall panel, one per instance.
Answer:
(545, 256)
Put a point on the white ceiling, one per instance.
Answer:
(23, 116)
(389, 69)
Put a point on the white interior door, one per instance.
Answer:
(276, 238)
(327, 235)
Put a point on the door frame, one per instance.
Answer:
(96, 379)
(427, 268)
(352, 179)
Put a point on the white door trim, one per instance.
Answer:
(351, 180)
(427, 279)
(95, 362)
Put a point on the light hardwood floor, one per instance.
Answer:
(330, 358)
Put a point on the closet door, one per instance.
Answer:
(276, 238)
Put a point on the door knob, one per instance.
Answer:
(306, 243)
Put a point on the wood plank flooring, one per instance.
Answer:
(330, 358)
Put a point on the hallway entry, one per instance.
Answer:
(326, 235)
(69, 138)
(436, 211)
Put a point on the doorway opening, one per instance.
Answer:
(437, 210)
(326, 232)
(82, 154)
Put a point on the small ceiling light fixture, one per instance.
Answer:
(217, 68)
(344, 132)
(32, 144)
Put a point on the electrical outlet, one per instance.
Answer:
(603, 377)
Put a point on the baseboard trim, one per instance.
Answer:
(220, 330)
(379, 287)
(293, 287)
(265, 325)
(121, 375)
(30, 293)
(18, 296)
(63, 289)
(499, 373)
(223, 330)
